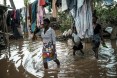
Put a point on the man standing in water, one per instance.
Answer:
(97, 37)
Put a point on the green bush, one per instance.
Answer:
(65, 20)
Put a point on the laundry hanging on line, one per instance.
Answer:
(82, 14)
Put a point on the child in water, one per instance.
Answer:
(77, 42)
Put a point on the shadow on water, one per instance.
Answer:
(26, 62)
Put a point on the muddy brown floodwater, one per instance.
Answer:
(25, 61)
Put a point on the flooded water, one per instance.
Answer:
(25, 61)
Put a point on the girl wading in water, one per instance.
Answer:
(49, 44)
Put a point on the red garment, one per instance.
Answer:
(13, 14)
(42, 2)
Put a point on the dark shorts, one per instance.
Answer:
(78, 47)
(95, 44)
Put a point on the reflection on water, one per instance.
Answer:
(25, 61)
(108, 59)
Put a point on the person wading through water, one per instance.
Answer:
(49, 44)
(77, 42)
(97, 37)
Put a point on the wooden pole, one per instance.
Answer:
(92, 5)
(4, 2)
(54, 9)
(12, 4)
(5, 31)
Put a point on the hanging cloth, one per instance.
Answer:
(30, 14)
(58, 3)
(18, 14)
(40, 14)
(71, 4)
(13, 14)
(83, 18)
(64, 5)
(34, 13)
(41, 2)
(49, 5)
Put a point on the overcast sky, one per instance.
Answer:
(19, 3)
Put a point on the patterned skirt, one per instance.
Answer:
(47, 53)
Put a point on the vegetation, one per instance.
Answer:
(65, 20)
(107, 14)
(26, 2)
